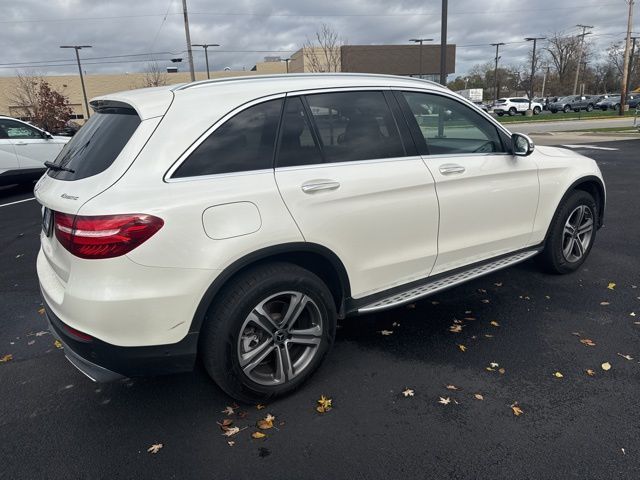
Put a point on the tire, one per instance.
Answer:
(554, 258)
(616, 107)
(554, 111)
(566, 109)
(512, 111)
(500, 114)
(536, 110)
(231, 329)
(589, 108)
(576, 110)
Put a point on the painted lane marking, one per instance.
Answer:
(591, 147)
(18, 201)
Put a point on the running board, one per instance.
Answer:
(446, 282)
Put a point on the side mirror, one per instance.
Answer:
(521, 145)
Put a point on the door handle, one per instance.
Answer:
(20, 143)
(449, 168)
(317, 185)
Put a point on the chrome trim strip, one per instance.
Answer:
(446, 282)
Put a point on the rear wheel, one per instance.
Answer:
(512, 111)
(268, 331)
(566, 109)
(571, 234)
(536, 110)
(589, 107)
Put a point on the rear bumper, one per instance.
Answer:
(103, 362)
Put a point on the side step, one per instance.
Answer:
(445, 282)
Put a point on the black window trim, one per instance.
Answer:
(503, 134)
(168, 176)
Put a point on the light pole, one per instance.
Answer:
(533, 68)
(495, 74)
(206, 53)
(287, 60)
(625, 68)
(84, 91)
(420, 40)
(582, 35)
(443, 48)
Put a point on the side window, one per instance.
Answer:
(297, 145)
(450, 127)
(244, 142)
(355, 126)
(16, 130)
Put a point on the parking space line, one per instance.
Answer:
(18, 201)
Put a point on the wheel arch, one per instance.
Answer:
(310, 256)
(590, 184)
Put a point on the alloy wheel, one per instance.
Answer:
(577, 233)
(280, 338)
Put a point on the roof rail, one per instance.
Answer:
(186, 86)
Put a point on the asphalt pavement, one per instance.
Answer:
(56, 424)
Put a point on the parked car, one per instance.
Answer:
(572, 102)
(483, 106)
(513, 105)
(633, 101)
(24, 149)
(610, 103)
(240, 232)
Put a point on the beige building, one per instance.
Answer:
(389, 59)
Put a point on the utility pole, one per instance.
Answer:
(206, 53)
(625, 69)
(633, 52)
(420, 40)
(188, 35)
(544, 80)
(533, 68)
(443, 44)
(84, 91)
(495, 72)
(287, 60)
(580, 48)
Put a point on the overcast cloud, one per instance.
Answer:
(32, 30)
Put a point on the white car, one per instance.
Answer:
(513, 105)
(237, 219)
(24, 149)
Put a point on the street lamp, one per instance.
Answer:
(420, 40)
(287, 60)
(84, 91)
(533, 67)
(206, 54)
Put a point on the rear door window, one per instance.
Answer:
(97, 144)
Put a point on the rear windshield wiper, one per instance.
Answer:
(58, 168)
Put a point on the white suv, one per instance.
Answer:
(511, 106)
(237, 219)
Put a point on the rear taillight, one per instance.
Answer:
(104, 236)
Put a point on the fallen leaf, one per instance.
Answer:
(243, 414)
(517, 411)
(623, 451)
(444, 401)
(494, 323)
(482, 290)
(230, 432)
(558, 375)
(455, 328)
(324, 404)
(155, 448)
(41, 333)
(31, 342)
(477, 396)
(628, 357)
(588, 342)
(266, 423)
(467, 312)
(58, 344)
(501, 371)
(452, 387)
(485, 300)
(462, 347)
(577, 334)
(494, 365)
(6, 358)
(632, 314)
(604, 303)
(435, 302)
(41, 311)
(386, 332)
(227, 422)
(231, 443)
(395, 324)
(611, 286)
(488, 336)
(498, 284)
(547, 297)
(590, 372)
(229, 410)
(408, 392)
(260, 406)
(489, 369)
(470, 319)
(258, 435)
(606, 366)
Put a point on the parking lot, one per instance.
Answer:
(525, 344)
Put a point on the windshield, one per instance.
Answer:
(565, 99)
(97, 144)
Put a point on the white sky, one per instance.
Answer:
(248, 30)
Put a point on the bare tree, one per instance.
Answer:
(154, 76)
(323, 53)
(24, 95)
(563, 52)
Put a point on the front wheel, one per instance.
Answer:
(512, 111)
(589, 108)
(268, 331)
(571, 234)
(536, 110)
(567, 109)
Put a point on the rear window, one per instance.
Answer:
(97, 144)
